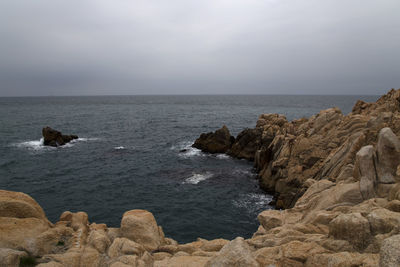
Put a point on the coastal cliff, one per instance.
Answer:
(336, 176)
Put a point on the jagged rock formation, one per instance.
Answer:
(218, 142)
(338, 176)
(55, 138)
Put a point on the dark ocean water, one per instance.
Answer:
(128, 157)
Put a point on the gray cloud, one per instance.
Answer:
(53, 47)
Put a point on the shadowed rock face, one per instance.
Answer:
(219, 141)
(55, 138)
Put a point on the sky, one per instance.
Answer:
(128, 47)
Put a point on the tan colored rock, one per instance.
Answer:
(364, 171)
(141, 227)
(171, 249)
(234, 254)
(54, 240)
(159, 256)
(393, 205)
(214, 245)
(10, 257)
(190, 247)
(300, 251)
(124, 246)
(50, 264)
(182, 261)
(390, 252)
(181, 253)
(352, 227)
(18, 233)
(388, 156)
(270, 219)
(19, 205)
(99, 240)
(343, 259)
(84, 257)
(383, 221)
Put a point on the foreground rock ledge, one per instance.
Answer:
(341, 175)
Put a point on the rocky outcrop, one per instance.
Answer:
(219, 141)
(55, 138)
(337, 176)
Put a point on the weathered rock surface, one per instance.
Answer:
(218, 142)
(53, 137)
(141, 226)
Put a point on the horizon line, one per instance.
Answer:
(102, 95)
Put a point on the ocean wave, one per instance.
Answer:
(223, 156)
(38, 145)
(186, 150)
(119, 147)
(198, 177)
(253, 202)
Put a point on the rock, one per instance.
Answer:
(388, 156)
(19, 233)
(50, 264)
(214, 245)
(352, 227)
(218, 142)
(124, 246)
(55, 138)
(246, 144)
(390, 252)
(159, 256)
(86, 257)
(270, 219)
(19, 205)
(364, 171)
(234, 254)
(141, 227)
(383, 221)
(343, 259)
(10, 257)
(99, 240)
(182, 261)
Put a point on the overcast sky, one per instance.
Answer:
(92, 47)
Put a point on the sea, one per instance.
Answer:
(134, 152)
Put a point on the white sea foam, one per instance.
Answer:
(253, 202)
(223, 156)
(119, 147)
(186, 150)
(32, 145)
(198, 177)
(38, 145)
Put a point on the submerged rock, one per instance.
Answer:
(218, 142)
(55, 138)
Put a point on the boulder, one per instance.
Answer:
(270, 219)
(10, 257)
(55, 138)
(390, 252)
(352, 227)
(19, 205)
(234, 254)
(388, 156)
(124, 246)
(182, 261)
(218, 142)
(141, 227)
(364, 171)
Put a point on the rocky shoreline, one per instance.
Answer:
(336, 179)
